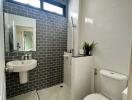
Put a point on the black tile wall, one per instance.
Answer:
(51, 43)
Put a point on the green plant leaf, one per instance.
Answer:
(88, 46)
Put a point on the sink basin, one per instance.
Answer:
(22, 66)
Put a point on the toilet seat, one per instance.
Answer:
(95, 96)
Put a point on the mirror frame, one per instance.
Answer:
(21, 21)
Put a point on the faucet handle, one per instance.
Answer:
(30, 56)
(26, 56)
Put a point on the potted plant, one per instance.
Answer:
(88, 48)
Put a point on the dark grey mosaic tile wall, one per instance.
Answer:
(51, 43)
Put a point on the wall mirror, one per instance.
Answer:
(20, 33)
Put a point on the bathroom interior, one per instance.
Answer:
(65, 50)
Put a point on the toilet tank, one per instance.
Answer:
(112, 84)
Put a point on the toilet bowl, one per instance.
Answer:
(96, 96)
(124, 94)
(112, 84)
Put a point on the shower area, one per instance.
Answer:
(78, 69)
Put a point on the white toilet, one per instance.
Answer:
(112, 85)
(124, 94)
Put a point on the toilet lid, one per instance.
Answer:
(95, 96)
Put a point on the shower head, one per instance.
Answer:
(73, 20)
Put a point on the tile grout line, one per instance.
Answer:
(38, 95)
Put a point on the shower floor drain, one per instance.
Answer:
(61, 86)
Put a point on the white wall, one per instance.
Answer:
(109, 23)
(81, 77)
(77, 75)
(73, 11)
(2, 61)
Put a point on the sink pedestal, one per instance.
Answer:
(23, 76)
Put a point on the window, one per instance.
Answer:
(48, 5)
(34, 3)
(53, 8)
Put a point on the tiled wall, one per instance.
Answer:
(51, 43)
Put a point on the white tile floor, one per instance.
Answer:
(28, 96)
(52, 93)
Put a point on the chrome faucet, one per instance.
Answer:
(30, 56)
(26, 56)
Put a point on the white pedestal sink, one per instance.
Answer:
(22, 66)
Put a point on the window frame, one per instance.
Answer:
(27, 5)
(63, 6)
